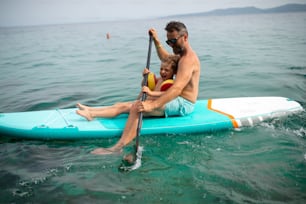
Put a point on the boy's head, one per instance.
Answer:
(169, 67)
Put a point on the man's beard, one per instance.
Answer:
(178, 50)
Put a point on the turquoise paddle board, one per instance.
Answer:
(209, 115)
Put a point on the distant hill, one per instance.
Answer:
(249, 10)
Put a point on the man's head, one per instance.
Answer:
(177, 35)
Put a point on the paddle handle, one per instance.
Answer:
(144, 95)
(145, 82)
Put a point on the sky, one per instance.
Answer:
(39, 12)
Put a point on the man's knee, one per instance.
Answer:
(134, 108)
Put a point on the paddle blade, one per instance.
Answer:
(130, 162)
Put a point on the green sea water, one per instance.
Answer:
(56, 66)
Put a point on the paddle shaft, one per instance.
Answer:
(144, 95)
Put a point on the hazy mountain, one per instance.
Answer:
(249, 10)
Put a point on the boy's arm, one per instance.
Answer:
(152, 93)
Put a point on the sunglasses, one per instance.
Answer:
(172, 41)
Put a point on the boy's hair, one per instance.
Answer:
(173, 60)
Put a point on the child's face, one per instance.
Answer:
(166, 72)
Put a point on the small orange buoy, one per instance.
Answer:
(166, 84)
(152, 80)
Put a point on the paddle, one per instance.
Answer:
(144, 95)
(133, 161)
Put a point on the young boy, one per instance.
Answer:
(168, 69)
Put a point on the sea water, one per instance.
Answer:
(56, 66)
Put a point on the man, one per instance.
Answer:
(179, 99)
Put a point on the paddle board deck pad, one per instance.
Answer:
(209, 115)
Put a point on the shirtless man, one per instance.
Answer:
(179, 99)
(167, 70)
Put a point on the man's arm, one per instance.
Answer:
(161, 51)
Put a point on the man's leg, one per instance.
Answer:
(129, 133)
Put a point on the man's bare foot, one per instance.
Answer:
(85, 114)
(106, 151)
(129, 158)
(82, 107)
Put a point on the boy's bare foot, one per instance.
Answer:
(85, 113)
(81, 106)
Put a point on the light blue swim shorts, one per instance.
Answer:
(178, 107)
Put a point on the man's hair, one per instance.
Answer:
(176, 26)
(173, 60)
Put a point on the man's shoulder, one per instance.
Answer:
(190, 58)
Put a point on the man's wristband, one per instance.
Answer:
(159, 46)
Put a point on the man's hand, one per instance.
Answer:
(153, 32)
(145, 106)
